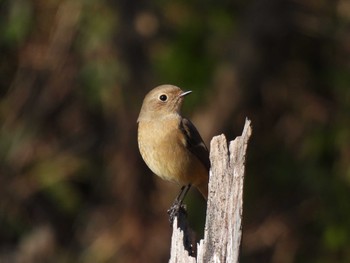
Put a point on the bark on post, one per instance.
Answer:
(223, 227)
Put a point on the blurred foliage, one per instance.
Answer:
(73, 74)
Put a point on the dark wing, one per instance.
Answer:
(195, 142)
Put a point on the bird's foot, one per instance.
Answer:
(177, 209)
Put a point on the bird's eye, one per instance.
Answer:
(163, 97)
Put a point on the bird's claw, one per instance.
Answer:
(175, 210)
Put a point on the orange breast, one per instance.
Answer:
(163, 148)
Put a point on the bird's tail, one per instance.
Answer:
(203, 188)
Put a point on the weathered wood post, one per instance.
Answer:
(223, 227)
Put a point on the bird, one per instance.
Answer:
(170, 144)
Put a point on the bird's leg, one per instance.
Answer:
(177, 207)
(183, 192)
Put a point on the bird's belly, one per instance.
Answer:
(165, 154)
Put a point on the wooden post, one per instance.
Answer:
(223, 227)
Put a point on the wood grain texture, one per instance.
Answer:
(223, 227)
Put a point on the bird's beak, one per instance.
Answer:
(185, 93)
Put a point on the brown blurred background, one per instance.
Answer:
(73, 187)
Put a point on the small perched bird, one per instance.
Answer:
(169, 144)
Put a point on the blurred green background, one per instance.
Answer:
(73, 187)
